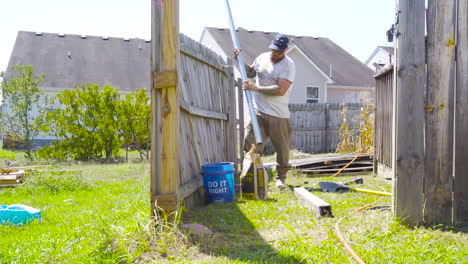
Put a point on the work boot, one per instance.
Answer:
(280, 184)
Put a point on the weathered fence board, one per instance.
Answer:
(461, 117)
(241, 122)
(156, 66)
(231, 127)
(408, 141)
(315, 126)
(207, 121)
(192, 112)
(440, 56)
(433, 189)
(383, 120)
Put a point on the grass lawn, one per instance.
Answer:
(100, 214)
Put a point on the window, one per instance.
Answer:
(312, 95)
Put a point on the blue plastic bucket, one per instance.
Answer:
(18, 214)
(218, 179)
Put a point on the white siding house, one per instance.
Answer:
(309, 77)
(380, 58)
(73, 60)
(325, 73)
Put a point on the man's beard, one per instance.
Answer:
(276, 59)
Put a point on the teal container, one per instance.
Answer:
(218, 179)
(18, 214)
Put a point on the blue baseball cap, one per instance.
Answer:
(279, 43)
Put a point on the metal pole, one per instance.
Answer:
(240, 59)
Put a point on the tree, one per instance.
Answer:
(86, 123)
(134, 122)
(25, 104)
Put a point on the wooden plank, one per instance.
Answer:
(164, 79)
(11, 178)
(383, 117)
(315, 171)
(408, 157)
(438, 179)
(327, 117)
(156, 139)
(231, 132)
(13, 169)
(9, 185)
(241, 124)
(190, 187)
(190, 165)
(168, 46)
(461, 118)
(313, 203)
(165, 202)
(208, 60)
(9, 182)
(328, 160)
(338, 164)
(170, 101)
(8, 177)
(202, 112)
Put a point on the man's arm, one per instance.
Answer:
(279, 89)
(249, 69)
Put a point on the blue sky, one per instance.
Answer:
(358, 26)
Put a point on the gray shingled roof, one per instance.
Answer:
(70, 60)
(347, 70)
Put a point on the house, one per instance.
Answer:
(71, 60)
(324, 71)
(380, 58)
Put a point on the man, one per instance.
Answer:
(275, 74)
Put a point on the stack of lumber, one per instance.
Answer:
(333, 164)
(10, 177)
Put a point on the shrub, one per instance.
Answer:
(361, 138)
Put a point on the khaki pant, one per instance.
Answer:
(279, 132)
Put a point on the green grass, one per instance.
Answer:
(281, 230)
(6, 154)
(100, 214)
(90, 214)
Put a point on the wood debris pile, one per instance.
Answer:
(331, 165)
(11, 177)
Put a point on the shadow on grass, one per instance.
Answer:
(235, 236)
(460, 228)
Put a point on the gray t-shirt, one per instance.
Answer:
(267, 75)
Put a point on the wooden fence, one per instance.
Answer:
(207, 118)
(315, 126)
(383, 121)
(193, 112)
(431, 99)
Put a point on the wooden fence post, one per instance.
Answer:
(241, 125)
(438, 180)
(408, 156)
(461, 118)
(327, 117)
(165, 120)
(232, 119)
